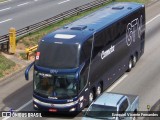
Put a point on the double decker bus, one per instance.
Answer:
(76, 63)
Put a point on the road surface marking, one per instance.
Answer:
(117, 83)
(5, 1)
(23, 4)
(153, 19)
(20, 108)
(5, 20)
(5, 9)
(63, 1)
(23, 106)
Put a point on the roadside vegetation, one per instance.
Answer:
(6, 66)
(2, 1)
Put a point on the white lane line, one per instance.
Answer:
(23, 106)
(5, 9)
(63, 1)
(117, 83)
(5, 1)
(23, 4)
(153, 19)
(5, 20)
(20, 108)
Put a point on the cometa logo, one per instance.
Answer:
(107, 52)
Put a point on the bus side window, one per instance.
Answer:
(82, 82)
(86, 51)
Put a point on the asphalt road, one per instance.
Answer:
(22, 13)
(143, 80)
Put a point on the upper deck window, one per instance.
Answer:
(58, 56)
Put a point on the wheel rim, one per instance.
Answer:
(90, 97)
(130, 64)
(134, 59)
(98, 90)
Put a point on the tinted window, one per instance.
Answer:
(86, 50)
(123, 106)
(53, 55)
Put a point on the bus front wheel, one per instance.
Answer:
(130, 65)
(91, 97)
(99, 90)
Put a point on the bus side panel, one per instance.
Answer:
(115, 64)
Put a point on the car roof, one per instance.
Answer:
(84, 28)
(109, 99)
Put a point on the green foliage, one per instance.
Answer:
(5, 64)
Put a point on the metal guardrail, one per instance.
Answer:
(4, 43)
(31, 50)
(75, 11)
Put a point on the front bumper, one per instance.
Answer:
(43, 106)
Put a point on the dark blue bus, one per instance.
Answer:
(75, 63)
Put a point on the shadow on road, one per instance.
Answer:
(18, 98)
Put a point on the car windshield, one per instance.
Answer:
(100, 111)
(57, 56)
(59, 87)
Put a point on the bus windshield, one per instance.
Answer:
(61, 87)
(58, 56)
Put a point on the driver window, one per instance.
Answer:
(82, 82)
(123, 107)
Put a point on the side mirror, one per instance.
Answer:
(27, 71)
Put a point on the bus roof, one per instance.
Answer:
(80, 30)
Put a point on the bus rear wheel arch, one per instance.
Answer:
(91, 96)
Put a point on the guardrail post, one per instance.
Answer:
(27, 52)
(12, 40)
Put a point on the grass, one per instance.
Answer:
(6, 66)
(2, 1)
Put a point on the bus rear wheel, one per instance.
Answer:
(130, 65)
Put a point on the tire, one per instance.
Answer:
(134, 60)
(98, 90)
(91, 97)
(130, 65)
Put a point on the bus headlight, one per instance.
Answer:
(72, 109)
(35, 100)
(35, 106)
